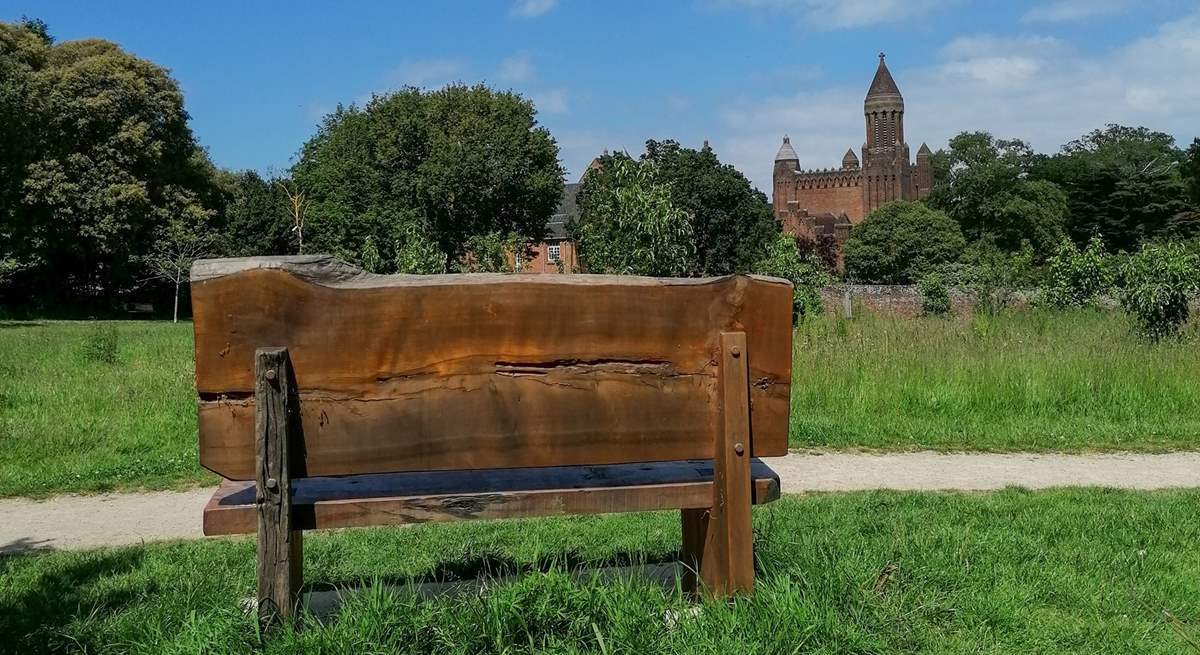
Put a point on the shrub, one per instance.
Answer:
(100, 344)
(900, 242)
(628, 226)
(935, 298)
(993, 276)
(1076, 278)
(807, 277)
(1157, 284)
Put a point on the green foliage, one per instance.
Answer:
(627, 224)
(255, 219)
(783, 259)
(493, 253)
(900, 242)
(935, 297)
(95, 156)
(1123, 183)
(731, 221)
(1157, 284)
(994, 275)
(1076, 278)
(1191, 172)
(416, 167)
(982, 184)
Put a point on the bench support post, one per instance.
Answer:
(280, 546)
(718, 543)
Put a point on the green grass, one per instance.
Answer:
(89, 406)
(1067, 381)
(1078, 571)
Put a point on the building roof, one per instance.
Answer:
(786, 153)
(850, 160)
(924, 150)
(556, 227)
(883, 84)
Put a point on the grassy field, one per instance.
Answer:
(1037, 380)
(1010, 572)
(89, 406)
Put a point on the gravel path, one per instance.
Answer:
(73, 522)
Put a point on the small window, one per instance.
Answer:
(554, 253)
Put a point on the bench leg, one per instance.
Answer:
(718, 542)
(280, 547)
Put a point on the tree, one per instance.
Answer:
(1191, 172)
(439, 166)
(732, 221)
(255, 219)
(627, 224)
(178, 245)
(900, 242)
(1157, 286)
(1123, 183)
(983, 185)
(1077, 278)
(783, 259)
(95, 157)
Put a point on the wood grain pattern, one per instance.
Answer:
(408, 373)
(728, 563)
(280, 552)
(400, 498)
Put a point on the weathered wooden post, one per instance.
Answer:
(718, 543)
(280, 545)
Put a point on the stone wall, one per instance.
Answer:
(903, 300)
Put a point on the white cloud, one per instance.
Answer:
(532, 8)
(551, 101)
(1063, 11)
(825, 14)
(517, 68)
(430, 73)
(1031, 87)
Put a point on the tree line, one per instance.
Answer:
(106, 197)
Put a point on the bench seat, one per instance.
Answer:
(420, 497)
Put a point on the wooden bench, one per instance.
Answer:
(332, 398)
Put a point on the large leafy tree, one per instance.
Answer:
(96, 157)
(1191, 172)
(408, 181)
(900, 242)
(982, 183)
(256, 218)
(732, 222)
(1123, 184)
(628, 224)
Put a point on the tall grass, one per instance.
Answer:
(1083, 571)
(89, 406)
(1041, 380)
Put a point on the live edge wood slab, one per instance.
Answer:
(458, 372)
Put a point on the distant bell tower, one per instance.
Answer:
(887, 174)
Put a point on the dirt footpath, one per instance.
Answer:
(75, 522)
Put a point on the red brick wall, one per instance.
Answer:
(539, 259)
(834, 200)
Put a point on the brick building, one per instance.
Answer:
(555, 253)
(827, 202)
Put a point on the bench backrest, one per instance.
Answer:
(411, 373)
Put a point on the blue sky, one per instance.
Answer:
(257, 76)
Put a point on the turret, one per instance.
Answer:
(783, 188)
(850, 160)
(923, 175)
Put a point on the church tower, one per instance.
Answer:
(886, 172)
